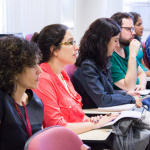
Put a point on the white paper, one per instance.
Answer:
(144, 92)
(130, 114)
(118, 108)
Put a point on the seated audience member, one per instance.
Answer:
(62, 104)
(147, 48)
(93, 79)
(126, 72)
(138, 33)
(21, 111)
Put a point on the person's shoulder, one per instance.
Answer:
(88, 63)
(126, 49)
(148, 40)
(36, 99)
(2, 94)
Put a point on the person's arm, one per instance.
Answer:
(142, 62)
(129, 82)
(53, 115)
(142, 80)
(89, 78)
(87, 126)
(146, 72)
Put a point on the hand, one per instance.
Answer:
(138, 102)
(134, 47)
(106, 119)
(133, 93)
(139, 87)
(95, 119)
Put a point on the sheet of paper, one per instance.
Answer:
(144, 92)
(118, 108)
(131, 114)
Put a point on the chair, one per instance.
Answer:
(146, 61)
(70, 69)
(55, 138)
(28, 37)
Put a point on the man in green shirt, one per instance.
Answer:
(126, 72)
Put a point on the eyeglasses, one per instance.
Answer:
(68, 43)
(131, 29)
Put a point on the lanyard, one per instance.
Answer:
(28, 126)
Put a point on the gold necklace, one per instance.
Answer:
(64, 83)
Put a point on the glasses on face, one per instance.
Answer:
(131, 29)
(68, 43)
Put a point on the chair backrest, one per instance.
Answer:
(28, 37)
(145, 56)
(55, 138)
(70, 69)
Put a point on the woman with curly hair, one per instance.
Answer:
(21, 111)
(93, 80)
(62, 104)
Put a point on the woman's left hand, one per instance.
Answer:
(133, 93)
(139, 88)
(95, 119)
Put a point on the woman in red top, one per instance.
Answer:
(62, 104)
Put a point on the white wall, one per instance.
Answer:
(29, 16)
(144, 11)
(86, 11)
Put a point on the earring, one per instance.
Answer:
(15, 85)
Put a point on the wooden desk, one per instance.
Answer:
(148, 78)
(94, 111)
(97, 139)
(95, 135)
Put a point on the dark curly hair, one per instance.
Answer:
(49, 35)
(94, 42)
(120, 15)
(15, 54)
(136, 16)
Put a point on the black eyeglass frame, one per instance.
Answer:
(131, 28)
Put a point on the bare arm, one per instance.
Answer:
(129, 82)
(146, 72)
(142, 62)
(87, 126)
(142, 77)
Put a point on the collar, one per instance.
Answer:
(47, 68)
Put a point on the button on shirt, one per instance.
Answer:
(60, 107)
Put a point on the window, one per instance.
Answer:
(67, 13)
(2, 16)
(143, 8)
(137, 2)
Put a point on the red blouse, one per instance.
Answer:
(60, 107)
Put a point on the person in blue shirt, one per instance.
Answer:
(93, 80)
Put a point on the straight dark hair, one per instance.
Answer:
(94, 42)
(49, 36)
(136, 16)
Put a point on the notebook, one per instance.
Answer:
(118, 108)
(144, 92)
(130, 114)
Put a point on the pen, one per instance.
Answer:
(145, 107)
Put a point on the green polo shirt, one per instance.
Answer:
(119, 67)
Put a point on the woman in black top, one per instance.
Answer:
(93, 79)
(21, 111)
